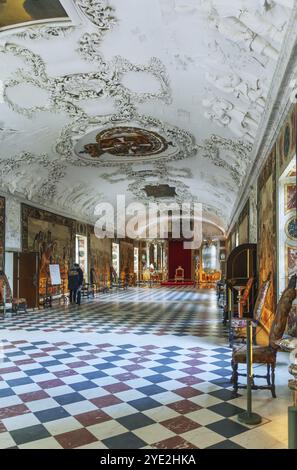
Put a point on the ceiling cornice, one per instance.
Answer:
(53, 209)
(276, 112)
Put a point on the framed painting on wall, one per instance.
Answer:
(290, 197)
(267, 262)
(15, 13)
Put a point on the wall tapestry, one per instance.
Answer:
(253, 215)
(126, 257)
(243, 225)
(267, 233)
(100, 257)
(2, 231)
(291, 262)
(17, 12)
(52, 236)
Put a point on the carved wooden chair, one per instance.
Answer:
(238, 325)
(179, 274)
(266, 354)
(17, 303)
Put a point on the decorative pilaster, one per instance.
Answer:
(13, 224)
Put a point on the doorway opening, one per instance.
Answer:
(81, 254)
(116, 258)
(287, 226)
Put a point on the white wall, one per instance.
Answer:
(9, 268)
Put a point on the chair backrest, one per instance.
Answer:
(4, 281)
(282, 312)
(260, 301)
(246, 292)
(179, 272)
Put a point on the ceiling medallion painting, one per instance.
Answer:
(158, 142)
(126, 141)
(17, 12)
(160, 190)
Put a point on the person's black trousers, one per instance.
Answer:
(78, 296)
(75, 296)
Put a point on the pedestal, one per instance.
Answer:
(292, 427)
(292, 410)
(248, 417)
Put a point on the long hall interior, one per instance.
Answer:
(148, 224)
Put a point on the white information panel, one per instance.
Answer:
(55, 274)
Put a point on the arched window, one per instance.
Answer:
(209, 257)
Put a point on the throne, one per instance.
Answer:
(179, 274)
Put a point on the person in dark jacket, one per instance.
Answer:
(75, 282)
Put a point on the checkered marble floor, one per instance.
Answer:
(142, 311)
(80, 389)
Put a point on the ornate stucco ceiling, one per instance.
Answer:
(196, 73)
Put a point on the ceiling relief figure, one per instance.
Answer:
(225, 114)
(126, 141)
(251, 91)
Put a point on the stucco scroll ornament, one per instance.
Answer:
(64, 92)
(11, 175)
(89, 45)
(212, 147)
(160, 170)
(88, 48)
(45, 32)
(80, 199)
(154, 67)
(98, 12)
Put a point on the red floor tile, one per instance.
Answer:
(77, 438)
(76, 365)
(92, 417)
(175, 442)
(9, 370)
(189, 380)
(51, 383)
(126, 376)
(187, 392)
(180, 424)
(2, 427)
(15, 410)
(106, 400)
(117, 388)
(33, 396)
(65, 373)
(184, 406)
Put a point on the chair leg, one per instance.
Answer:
(231, 336)
(234, 378)
(273, 380)
(268, 375)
